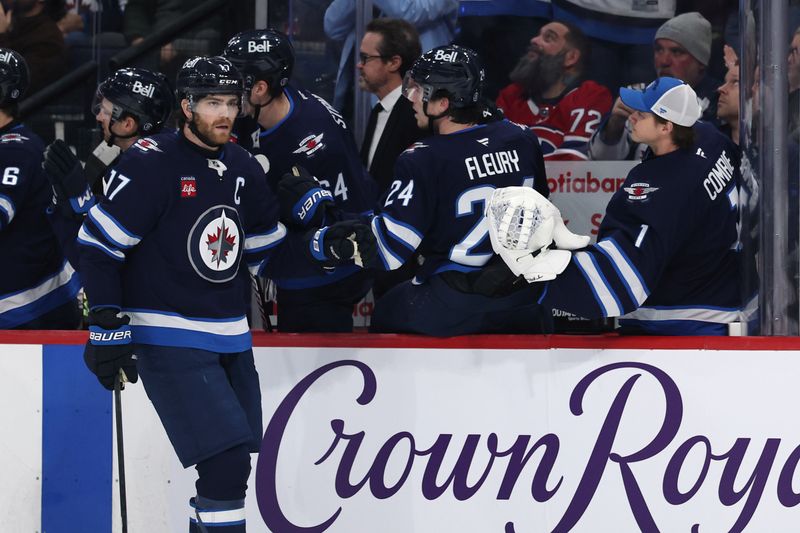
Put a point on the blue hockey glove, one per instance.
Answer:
(71, 193)
(343, 242)
(109, 349)
(302, 199)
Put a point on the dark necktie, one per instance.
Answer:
(370, 132)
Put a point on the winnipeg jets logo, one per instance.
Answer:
(147, 144)
(310, 144)
(214, 245)
(638, 192)
(219, 166)
(12, 137)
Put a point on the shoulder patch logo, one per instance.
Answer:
(638, 192)
(310, 144)
(484, 141)
(147, 144)
(415, 146)
(188, 187)
(12, 137)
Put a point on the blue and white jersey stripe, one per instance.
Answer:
(717, 315)
(264, 241)
(225, 335)
(6, 208)
(627, 272)
(87, 239)
(112, 230)
(25, 305)
(390, 260)
(602, 291)
(406, 234)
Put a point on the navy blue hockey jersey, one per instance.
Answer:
(312, 135)
(166, 241)
(35, 278)
(667, 258)
(437, 200)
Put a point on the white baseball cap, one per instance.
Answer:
(669, 98)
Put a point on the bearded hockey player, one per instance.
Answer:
(160, 259)
(38, 287)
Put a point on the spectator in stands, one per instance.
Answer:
(794, 86)
(497, 30)
(434, 19)
(620, 34)
(728, 103)
(681, 50)
(29, 27)
(549, 94)
(388, 49)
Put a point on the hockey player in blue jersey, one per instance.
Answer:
(288, 127)
(130, 103)
(160, 261)
(38, 286)
(436, 205)
(667, 258)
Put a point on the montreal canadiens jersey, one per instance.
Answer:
(35, 278)
(441, 185)
(312, 135)
(564, 125)
(667, 258)
(166, 242)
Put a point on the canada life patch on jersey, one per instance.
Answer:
(12, 138)
(147, 144)
(188, 187)
(639, 192)
(215, 244)
(310, 144)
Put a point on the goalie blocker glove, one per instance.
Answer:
(71, 193)
(343, 242)
(302, 199)
(110, 349)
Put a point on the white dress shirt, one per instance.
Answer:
(387, 103)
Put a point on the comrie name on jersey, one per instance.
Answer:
(719, 176)
(492, 164)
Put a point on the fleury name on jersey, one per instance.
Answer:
(492, 164)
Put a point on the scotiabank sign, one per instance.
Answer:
(581, 190)
(519, 441)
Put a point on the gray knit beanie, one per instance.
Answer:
(690, 30)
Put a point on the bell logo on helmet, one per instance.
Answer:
(442, 55)
(5, 57)
(259, 47)
(145, 90)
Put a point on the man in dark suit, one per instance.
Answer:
(388, 49)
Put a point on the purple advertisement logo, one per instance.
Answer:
(515, 458)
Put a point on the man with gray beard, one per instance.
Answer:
(548, 93)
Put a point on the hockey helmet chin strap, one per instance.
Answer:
(431, 118)
(113, 136)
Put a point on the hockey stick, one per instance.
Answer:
(123, 501)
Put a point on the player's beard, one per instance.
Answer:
(539, 73)
(208, 133)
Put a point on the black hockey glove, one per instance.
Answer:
(302, 199)
(109, 349)
(496, 280)
(71, 192)
(349, 240)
